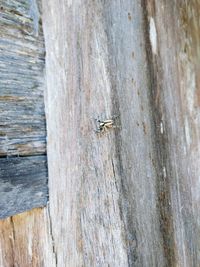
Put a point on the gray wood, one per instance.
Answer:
(103, 195)
(23, 184)
(174, 65)
(23, 180)
(128, 196)
(22, 120)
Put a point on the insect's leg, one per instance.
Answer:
(115, 116)
(95, 123)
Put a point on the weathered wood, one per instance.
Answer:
(131, 202)
(22, 121)
(106, 199)
(23, 180)
(129, 196)
(174, 64)
(23, 184)
(25, 240)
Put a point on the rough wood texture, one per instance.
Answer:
(23, 180)
(175, 88)
(106, 203)
(25, 240)
(129, 197)
(22, 121)
(23, 184)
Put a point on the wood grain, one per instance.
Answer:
(129, 196)
(132, 191)
(22, 121)
(23, 184)
(23, 178)
(174, 80)
(25, 240)
(105, 203)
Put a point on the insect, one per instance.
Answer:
(104, 125)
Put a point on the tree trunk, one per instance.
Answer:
(129, 195)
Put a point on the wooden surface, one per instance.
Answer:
(23, 179)
(22, 122)
(175, 88)
(129, 196)
(25, 240)
(23, 184)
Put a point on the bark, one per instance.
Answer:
(128, 196)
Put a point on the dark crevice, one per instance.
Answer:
(12, 241)
(113, 167)
(21, 156)
(13, 227)
(52, 236)
(125, 200)
(126, 206)
(160, 141)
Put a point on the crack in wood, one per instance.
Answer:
(54, 250)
